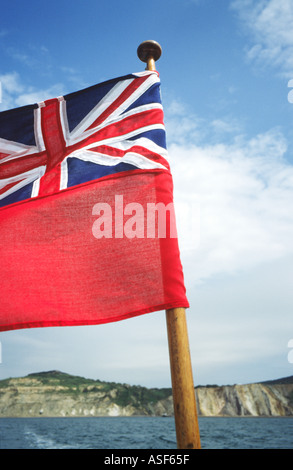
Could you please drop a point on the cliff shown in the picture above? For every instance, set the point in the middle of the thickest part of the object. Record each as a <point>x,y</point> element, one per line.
<point>57,394</point>
<point>246,400</point>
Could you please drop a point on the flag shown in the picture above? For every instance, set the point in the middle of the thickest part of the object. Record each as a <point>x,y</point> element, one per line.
<point>87,223</point>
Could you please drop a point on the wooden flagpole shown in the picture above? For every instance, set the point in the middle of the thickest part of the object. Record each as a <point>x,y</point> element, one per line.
<point>185,412</point>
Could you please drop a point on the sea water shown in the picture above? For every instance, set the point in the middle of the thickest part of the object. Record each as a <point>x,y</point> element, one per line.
<point>142,433</point>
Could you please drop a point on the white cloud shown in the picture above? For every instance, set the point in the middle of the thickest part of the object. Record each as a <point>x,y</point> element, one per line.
<point>11,87</point>
<point>242,193</point>
<point>270,23</point>
<point>31,55</point>
<point>11,83</point>
<point>225,126</point>
<point>183,126</point>
<point>16,93</point>
<point>35,96</point>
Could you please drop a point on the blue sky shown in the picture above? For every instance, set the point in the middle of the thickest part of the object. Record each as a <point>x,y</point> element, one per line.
<point>225,70</point>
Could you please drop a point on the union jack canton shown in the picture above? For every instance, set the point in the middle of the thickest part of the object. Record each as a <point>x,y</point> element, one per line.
<point>109,128</point>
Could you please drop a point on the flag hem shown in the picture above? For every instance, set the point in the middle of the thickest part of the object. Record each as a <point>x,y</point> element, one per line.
<point>47,324</point>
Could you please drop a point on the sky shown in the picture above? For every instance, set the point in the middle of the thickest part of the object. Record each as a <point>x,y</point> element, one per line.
<point>227,89</point>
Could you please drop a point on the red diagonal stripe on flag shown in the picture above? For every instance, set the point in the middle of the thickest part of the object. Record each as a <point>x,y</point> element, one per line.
<point>9,186</point>
<point>129,124</point>
<point>115,152</point>
<point>121,98</point>
<point>21,165</point>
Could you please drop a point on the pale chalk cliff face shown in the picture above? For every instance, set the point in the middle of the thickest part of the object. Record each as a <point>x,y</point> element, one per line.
<point>62,395</point>
<point>246,400</point>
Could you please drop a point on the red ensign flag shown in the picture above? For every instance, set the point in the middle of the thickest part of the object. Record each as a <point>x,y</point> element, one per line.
<point>87,226</point>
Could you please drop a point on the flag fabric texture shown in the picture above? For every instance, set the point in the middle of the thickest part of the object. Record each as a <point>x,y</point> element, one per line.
<point>84,185</point>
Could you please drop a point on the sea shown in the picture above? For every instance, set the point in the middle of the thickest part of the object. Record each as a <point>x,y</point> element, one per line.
<point>142,433</point>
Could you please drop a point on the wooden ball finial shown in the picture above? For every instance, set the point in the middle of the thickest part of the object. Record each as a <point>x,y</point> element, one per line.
<point>149,52</point>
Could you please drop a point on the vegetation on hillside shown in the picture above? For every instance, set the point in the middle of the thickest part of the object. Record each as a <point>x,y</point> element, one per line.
<point>124,394</point>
